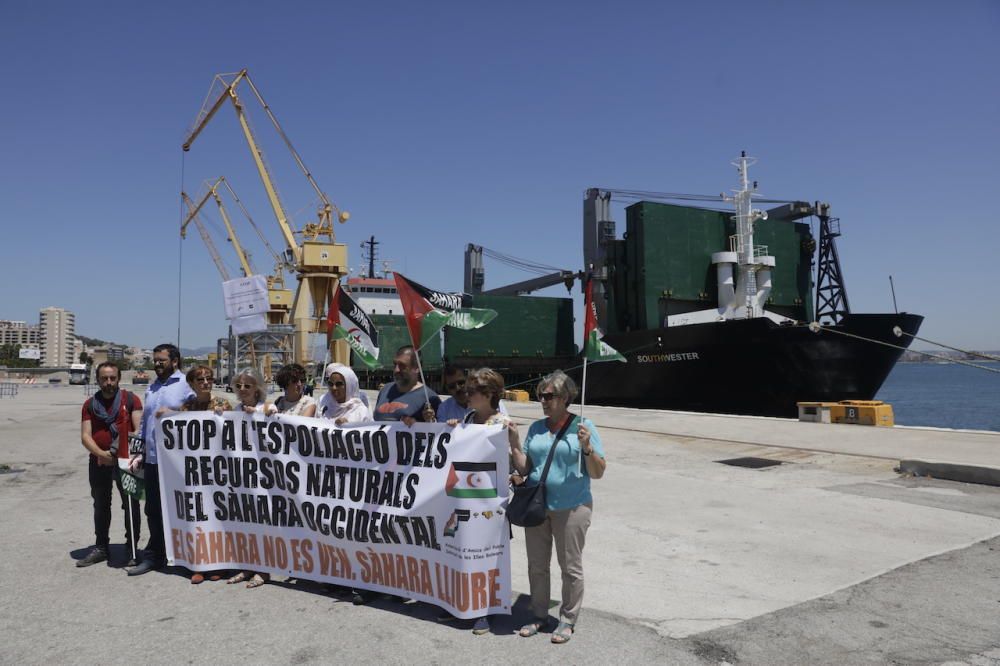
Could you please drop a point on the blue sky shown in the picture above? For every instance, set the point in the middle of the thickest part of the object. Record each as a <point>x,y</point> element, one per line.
<point>442,123</point>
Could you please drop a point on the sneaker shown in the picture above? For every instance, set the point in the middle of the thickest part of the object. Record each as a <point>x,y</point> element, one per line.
<point>444,616</point>
<point>99,554</point>
<point>144,567</point>
<point>482,626</point>
<point>360,598</point>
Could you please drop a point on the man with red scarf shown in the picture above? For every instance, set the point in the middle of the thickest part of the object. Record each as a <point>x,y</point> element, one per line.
<point>106,421</point>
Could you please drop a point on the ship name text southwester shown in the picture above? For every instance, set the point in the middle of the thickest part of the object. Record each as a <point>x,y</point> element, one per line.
<point>666,358</point>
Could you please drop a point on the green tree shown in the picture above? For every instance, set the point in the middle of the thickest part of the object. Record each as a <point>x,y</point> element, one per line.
<point>10,357</point>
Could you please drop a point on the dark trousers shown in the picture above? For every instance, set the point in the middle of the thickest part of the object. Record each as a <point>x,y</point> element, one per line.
<point>156,550</point>
<point>102,478</point>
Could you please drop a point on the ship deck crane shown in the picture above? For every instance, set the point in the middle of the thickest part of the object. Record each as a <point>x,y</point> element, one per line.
<point>319,263</point>
<point>475,274</point>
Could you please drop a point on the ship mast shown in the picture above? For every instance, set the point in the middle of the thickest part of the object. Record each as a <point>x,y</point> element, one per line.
<point>370,254</point>
<point>750,258</point>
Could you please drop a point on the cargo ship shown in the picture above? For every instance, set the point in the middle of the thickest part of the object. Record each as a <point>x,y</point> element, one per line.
<point>734,310</point>
<point>718,310</point>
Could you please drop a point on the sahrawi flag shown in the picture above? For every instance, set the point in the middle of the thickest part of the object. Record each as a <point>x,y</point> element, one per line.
<point>594,348</point>
<point>427,311</point>
<point>345,320</point>
<point>471,479</point>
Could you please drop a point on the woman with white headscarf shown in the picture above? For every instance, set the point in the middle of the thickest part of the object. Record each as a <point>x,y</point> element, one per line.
<point>344,403</point>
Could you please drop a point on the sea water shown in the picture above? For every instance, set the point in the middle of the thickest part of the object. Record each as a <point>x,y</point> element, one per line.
<point>944,395</point>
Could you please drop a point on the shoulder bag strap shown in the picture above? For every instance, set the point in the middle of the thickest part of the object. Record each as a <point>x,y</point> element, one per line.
<point>555,443</point>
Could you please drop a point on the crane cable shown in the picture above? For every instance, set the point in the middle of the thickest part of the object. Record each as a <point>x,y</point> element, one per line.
<point>675,196</point>
<point>180,258</point>
<point>522,264</point>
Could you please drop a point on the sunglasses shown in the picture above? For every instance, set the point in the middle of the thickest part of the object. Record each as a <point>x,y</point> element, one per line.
<point>482,390</point>
<point>547,396</point>
<point>240,387</point>
<point>451,386</point>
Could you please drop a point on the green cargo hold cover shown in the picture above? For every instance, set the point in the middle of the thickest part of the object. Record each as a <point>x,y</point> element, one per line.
<point>525,327</point>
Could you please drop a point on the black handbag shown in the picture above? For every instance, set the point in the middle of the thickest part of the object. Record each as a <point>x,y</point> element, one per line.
<point>527,505</point>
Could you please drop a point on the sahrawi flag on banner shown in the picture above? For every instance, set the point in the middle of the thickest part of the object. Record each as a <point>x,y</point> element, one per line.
<point>596,349</point>
<point>472,479</point>
<point>427,311</point>
<point>345,320</point>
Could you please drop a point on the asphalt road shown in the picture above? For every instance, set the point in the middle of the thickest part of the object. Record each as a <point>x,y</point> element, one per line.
<point>825,559</point>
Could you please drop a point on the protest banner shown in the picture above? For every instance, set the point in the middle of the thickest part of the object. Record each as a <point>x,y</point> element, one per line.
<point>413,511</point>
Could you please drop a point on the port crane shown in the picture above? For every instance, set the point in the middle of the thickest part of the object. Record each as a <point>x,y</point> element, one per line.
<point>255,347</point>
<point>279,298</point>
<point>209,243</point>
<point>318,261</point>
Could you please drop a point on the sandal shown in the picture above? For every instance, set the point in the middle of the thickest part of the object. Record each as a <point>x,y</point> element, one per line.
<point>531,628</point>
<point>563,633</point>
<point>238,578</point>
<point>257,580</point>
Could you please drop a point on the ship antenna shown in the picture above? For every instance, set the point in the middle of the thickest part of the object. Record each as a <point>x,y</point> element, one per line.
<point>370,253</point>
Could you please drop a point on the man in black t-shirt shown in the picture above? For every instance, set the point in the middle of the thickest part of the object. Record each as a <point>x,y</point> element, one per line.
<point>406,399</point>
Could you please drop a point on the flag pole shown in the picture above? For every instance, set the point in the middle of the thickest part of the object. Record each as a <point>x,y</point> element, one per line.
<point>416,352</point>
<point>427,396</point>
<point>133,537</point>
<point>583,389</point>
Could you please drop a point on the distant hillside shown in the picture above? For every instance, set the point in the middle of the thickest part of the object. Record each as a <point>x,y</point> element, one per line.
<point>197,351</point>
<point>97,342</point>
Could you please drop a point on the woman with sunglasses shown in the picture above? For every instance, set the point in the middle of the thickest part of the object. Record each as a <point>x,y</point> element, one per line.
<point>578,458</point>
<point>485,388</point>
<point>200,379</point>
<point>344,403</point>
<point>295,402</point>
<point>251,393</point>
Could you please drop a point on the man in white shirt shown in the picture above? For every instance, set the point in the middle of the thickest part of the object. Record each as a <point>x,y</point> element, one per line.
<point>168,392</point>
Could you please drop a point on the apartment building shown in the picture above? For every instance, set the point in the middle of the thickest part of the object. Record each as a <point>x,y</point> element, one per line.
<point>19,333</point>
<point>57,337</point>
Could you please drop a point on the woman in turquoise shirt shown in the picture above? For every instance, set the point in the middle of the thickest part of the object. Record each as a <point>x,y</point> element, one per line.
<point>578,458</point>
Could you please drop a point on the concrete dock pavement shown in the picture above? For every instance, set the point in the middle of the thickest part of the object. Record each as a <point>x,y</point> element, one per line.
<point>958,455</point>
<point>829,558</point>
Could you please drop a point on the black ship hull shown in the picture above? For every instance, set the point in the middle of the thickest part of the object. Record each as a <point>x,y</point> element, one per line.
<point>750,366</point>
